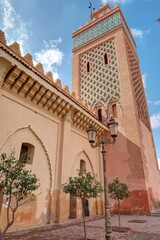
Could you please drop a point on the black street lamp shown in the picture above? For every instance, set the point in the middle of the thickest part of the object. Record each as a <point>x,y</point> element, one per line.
<point>113,129</point>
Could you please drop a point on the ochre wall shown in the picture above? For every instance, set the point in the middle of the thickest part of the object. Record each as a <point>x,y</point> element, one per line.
<point>59,147</point>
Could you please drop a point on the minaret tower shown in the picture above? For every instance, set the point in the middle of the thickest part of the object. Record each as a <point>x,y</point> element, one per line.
<point>106,75</point>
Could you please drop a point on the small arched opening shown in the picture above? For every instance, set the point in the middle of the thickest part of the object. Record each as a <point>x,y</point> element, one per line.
<point>27,153</point>
<point>88,67</point>
<point>105,59</point>
<point>100,114</point>
<point>114,110</point>
<point>82,166</point>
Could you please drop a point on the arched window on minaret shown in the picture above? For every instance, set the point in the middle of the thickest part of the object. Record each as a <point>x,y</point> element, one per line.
<point>100,114</point>
<point>114,110</point>
<point>27,153</point>
<point>105,59</point>
<point>82,166</point>
<point>88,67</point>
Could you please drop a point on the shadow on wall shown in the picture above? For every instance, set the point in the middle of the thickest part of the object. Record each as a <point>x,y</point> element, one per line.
<point>24,217</point>
<point>97,207</point>
<point>47,213</point>
<point>125,161</point>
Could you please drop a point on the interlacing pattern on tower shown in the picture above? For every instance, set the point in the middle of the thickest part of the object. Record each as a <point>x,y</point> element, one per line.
<point>138,88</point>
<point>99,80</point>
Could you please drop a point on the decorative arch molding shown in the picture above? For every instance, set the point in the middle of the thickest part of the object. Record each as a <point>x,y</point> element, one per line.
<point>79,156</point>
<point>89,161</point>
<point>100,111</point>
<point>99,104</point>
<point>113,100</point>
<point>40,141</point>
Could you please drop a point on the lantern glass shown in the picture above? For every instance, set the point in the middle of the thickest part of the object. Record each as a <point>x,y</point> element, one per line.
<point>113,127</point>
<point>91,134</point>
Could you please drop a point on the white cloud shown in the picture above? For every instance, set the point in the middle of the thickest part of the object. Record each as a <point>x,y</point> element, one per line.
<point>115,1</point>
<point>159,163</point>
<point>50,57</point>
<point>8,15</point>
<point>138,33</point>
<point>144,79</point>
<point>155,120</point>
<point>13,25</point>
<point>16,30</point>
<point>157,103</point>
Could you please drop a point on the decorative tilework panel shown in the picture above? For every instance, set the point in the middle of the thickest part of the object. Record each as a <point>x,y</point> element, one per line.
<point>97,30</point>
<point>102,82</point>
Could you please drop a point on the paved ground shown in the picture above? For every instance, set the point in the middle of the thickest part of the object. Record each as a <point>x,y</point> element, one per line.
<point>142,228</point>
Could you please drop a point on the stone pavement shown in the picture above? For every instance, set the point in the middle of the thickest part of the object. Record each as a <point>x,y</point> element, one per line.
<point>142,228</point>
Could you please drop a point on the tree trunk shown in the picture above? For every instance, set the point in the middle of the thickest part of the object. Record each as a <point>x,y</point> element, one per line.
<point>84,222</point>
<point>1,236</point>
<point>9,222</point>
<point>119,214</point>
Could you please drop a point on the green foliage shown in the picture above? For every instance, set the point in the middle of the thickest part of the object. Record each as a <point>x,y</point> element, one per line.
<point>83,186</point>
<point>16,180</point>
<point>17,185</point>
<point>118,190</point>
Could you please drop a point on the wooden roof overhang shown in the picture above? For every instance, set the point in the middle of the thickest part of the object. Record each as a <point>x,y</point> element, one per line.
<point>23,80</point>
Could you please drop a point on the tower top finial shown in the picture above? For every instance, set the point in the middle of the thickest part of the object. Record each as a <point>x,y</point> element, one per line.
<point>91,9</point>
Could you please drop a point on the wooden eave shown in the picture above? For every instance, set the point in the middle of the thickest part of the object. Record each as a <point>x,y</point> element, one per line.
<point>24,81</point>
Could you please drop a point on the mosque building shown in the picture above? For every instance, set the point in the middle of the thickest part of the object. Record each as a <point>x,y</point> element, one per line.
<point>39,115</point>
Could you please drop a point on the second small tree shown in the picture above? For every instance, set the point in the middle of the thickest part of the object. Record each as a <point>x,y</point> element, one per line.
<point>118,191</point>
<point>83,186</point>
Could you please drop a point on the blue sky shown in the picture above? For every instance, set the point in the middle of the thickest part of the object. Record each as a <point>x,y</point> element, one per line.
<point>44,29</point>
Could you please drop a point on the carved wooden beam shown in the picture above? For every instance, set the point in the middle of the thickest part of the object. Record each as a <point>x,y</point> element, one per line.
<point>48,98</point>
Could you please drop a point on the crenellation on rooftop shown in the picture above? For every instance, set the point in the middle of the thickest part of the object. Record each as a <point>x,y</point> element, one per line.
<point>15,47</point>
<point>28,58</point>
<point>49,75</point>
<point>73,94</point>
<point>58,83</point>
<point>116,6</point>
<point>103,20</point>
<point>97,16</point>
<point>39,67</point>
<point>66,89</point>
<point>80,100</point>
<point>2,37</point>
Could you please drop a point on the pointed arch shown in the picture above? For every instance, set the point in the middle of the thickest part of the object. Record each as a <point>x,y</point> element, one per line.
<point>114,107</point>
<point>112,99</point>
<point>76,165</point>
<point>100,110</point>
<point>40,141</point>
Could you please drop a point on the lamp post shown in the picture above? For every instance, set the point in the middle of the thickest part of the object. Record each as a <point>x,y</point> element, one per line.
<point>113,129</point>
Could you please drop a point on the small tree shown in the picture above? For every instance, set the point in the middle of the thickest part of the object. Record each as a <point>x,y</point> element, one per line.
<point>118,191</point>
<point>17,186</point>
<point>84,186</point>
